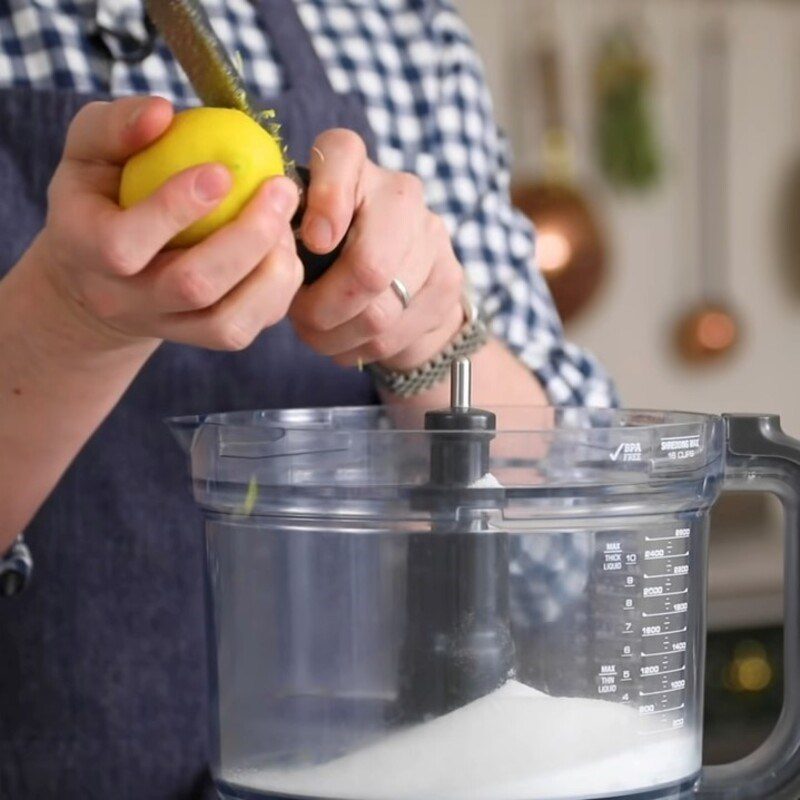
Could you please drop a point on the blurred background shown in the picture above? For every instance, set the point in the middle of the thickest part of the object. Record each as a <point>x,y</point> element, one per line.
<point>657,148</point>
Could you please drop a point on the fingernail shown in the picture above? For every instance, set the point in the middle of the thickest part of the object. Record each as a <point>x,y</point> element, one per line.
<point>136,115</point>
<point>318,232</point>
<point>281,197</point>
<point>212,183</point>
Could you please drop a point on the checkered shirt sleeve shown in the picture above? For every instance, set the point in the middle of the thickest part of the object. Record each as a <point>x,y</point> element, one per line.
<point>494,241</point>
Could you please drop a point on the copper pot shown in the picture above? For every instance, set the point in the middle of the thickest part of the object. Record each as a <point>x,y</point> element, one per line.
<point>570,248</point>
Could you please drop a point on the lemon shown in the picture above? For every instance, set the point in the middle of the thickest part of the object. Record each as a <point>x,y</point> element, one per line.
<point>199,136</point>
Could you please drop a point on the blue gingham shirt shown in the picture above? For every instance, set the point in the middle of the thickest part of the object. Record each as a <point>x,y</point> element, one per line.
<point>415,68</point>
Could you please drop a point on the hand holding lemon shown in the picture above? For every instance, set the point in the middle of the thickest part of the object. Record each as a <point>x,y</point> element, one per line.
<point>199,136</point>
<point>208,181</point>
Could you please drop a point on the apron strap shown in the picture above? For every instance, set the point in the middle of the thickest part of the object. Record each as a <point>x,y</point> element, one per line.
<point>293,45</point>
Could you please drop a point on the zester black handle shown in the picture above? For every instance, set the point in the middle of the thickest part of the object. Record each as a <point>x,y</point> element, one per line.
<point>314,264</point>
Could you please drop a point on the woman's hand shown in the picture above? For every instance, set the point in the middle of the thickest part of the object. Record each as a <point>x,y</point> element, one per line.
<point>352,313</point>
<point>107,264</point>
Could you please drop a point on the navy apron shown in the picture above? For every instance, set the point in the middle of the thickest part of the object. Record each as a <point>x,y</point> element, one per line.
<point>103,660</point>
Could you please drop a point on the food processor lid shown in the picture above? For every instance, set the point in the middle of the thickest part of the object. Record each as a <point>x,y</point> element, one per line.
<point>350,459</point>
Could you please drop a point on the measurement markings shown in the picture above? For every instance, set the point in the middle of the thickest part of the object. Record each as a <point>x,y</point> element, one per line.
<point>664,613</point>
<point>665,633</point>
<point>663,691</point>
<point>667,575</point>
<point>664,538</point>
<point>661,710</point>
<point>667,558</point>
<point>663,672</point>
<point>665,654</point>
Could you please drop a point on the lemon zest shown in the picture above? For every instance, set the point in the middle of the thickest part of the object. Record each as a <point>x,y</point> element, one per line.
<point>251,498</point>
<point>238,62</point>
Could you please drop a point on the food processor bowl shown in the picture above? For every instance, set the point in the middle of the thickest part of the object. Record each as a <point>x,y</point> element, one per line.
<point>409,608</point>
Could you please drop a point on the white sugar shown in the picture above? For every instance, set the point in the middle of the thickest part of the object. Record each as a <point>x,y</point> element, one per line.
<point>514,744</point>
<point>488,481</point>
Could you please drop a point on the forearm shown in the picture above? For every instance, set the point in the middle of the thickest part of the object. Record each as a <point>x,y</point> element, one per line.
<point>58,381</point>
<point>499,379</point>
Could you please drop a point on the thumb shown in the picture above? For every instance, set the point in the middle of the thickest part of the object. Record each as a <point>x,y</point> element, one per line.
<point>112,132</point>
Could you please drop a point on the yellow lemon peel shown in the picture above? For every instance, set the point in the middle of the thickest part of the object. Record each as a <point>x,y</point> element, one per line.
<point>200,136</point>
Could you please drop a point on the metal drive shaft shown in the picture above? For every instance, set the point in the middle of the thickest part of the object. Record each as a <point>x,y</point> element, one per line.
<point>458,644</point>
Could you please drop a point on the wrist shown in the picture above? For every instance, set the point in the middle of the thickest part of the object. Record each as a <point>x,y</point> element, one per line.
<point>62,319</point>
<point>57,329</point>
<point>421,381</point>
<point>429,346</point>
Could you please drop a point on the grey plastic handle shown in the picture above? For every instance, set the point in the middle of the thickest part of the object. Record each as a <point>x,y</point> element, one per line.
<point>761,457</point>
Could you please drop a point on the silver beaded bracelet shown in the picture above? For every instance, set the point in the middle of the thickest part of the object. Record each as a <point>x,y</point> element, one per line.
<point>471,338</point>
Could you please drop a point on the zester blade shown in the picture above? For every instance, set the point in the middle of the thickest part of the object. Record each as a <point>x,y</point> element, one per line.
<point>187,30</point>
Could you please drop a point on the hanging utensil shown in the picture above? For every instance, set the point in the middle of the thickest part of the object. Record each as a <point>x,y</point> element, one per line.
<point>711,329</point>
<point>187,30</point>
<point>570,248</point>
<point>627,145</point>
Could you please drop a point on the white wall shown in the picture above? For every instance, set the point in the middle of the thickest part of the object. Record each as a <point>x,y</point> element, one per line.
<point>653,238</point>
